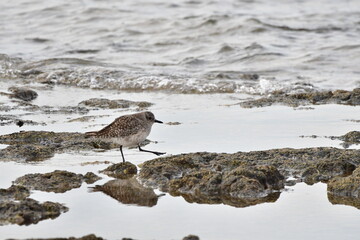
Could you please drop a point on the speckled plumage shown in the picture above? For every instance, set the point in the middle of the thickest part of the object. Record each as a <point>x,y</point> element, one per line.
<point>128,130</point>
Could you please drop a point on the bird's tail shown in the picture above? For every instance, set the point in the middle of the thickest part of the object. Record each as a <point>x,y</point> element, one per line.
<point>90,134</point>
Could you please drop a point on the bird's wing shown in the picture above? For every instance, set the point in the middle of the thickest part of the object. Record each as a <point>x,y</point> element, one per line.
<point>121,127</point>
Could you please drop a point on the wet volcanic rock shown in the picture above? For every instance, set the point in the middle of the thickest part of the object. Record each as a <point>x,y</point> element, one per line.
<point>350,138</point>
<point>310,98</point>
<point>113,104</point>
<point>121,170</point>
<point>14,193</point>
<point>41,145</point>
<point>27,153</point>
<point>57,181</point>
<point>346,186</point>
<point>200,178</point>
<point>345,190</point>
<point>244,178</point>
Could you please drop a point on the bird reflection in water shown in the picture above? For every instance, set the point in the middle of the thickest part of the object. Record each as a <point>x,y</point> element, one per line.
<point>129,191</point>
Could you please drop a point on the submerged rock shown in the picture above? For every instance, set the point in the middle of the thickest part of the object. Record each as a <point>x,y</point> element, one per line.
<point>112,104</point>
<point>29,211</point>
<point>300,99</point>
<point>121,170</point>
<point>57,181</point>
<point>129,191</point>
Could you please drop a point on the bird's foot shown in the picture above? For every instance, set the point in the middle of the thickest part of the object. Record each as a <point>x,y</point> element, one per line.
<point>159,153</point>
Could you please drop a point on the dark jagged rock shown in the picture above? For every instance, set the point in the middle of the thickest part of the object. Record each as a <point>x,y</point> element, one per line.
<point>210,178</point>
<point>41,145</point>
<point>112,104</point>
<point>345,190</point>
<point>121,170</point>
<point>300,99</point>
<point>244,178</point>
<point>91,178</point>
<point>350,138</point>
<point>56,139</point>
<point>57,181</point>
<point>14,193</point>
<point>346,186</point>
<point>129,191</point>
<point>240,182</point>
<point>26,153</point>
<point>341,200</point>
<point>191,237</point>
<point>325,170</point>
<point>29,211</point>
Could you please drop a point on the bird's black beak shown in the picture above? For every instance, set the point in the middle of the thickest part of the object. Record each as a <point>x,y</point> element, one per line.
<point>157,121</point>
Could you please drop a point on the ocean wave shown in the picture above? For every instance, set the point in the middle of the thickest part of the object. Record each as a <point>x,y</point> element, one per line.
<point>91,74</point>
<point>132,81</point>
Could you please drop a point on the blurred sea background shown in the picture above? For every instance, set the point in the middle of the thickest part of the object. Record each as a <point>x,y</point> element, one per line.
<point>185,46</point>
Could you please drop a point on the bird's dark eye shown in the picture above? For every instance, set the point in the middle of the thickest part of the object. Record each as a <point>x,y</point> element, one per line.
<point>150,117</point>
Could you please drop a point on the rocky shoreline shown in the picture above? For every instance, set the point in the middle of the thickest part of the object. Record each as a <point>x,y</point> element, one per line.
<point>238,180</point>
<point>245,178</point>
<point>351,98</point>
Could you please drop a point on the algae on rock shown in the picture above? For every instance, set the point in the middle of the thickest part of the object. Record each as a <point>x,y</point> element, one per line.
<point>41,145</point>
<point>113,104</point>
<point>14,193</point>
<point>121,170</point>
<point>57,181</point>
<point>300,99</point>
<point>244,178</point>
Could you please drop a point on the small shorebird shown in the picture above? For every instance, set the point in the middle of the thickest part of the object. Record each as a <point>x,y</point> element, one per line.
<point>128,131</point>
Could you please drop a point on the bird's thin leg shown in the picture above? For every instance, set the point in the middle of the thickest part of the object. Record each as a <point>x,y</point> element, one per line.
<point>122,153</point>
<point>156,153</point>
